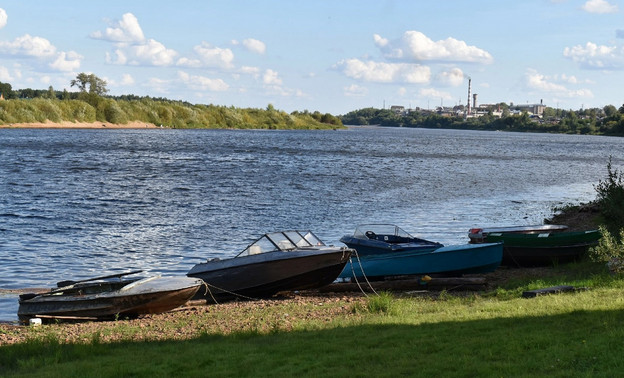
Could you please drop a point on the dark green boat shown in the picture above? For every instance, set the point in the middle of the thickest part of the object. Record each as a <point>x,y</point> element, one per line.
<point>545,248</point>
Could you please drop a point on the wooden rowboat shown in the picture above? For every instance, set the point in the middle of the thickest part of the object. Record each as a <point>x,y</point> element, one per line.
<point>546,248</point>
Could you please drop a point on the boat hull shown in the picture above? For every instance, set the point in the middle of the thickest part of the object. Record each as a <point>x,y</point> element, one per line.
<point>267,274</point>
<point>450,261</point>
<point>479,235</point>
<point>157,296</point>
<point>524,250</point>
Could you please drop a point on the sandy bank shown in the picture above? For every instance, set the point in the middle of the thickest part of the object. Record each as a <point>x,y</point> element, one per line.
<point>79,125</point>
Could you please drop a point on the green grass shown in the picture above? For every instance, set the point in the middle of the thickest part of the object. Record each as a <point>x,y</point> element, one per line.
<point>167,113</point>
<point>497,334</point>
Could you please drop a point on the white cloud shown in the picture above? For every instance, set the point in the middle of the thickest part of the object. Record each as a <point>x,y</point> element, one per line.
<point>131,45</point>
<point>3,18</point>
<point>254,45</point>
<point>27,45</point>
<point>594,56</point>
<point>203,83</point>
<point>153,52</point>
<point>434,93</point>
<point>209,56</point>
<point>542,83</point>
<point>599,6</point>
<point>125,30</point>
<point>454,77</point>
<point>250,70</point>
<point>67,62</point>
<point>415,46</point>
<point>158,85</point>
<point>40,48</point>
<point>186,62</point>
<point>127,79</point>
<point>384,72</point>
<point>271,77</point>
<point>5,75</point>
<point>355,90</point>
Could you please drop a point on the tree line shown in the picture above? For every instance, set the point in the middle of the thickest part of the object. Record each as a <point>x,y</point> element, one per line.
<point>606,121</point>
<point>91,103</point>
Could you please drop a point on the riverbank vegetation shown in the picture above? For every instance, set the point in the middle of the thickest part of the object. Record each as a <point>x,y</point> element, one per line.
<point>91,104</point>
<point>605,121</point>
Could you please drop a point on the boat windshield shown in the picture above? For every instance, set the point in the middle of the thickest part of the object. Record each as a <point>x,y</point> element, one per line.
<point>380,229</point>
<point>282,241</point>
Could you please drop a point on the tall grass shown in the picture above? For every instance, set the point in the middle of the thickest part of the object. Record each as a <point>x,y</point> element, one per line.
<point>166,113</point>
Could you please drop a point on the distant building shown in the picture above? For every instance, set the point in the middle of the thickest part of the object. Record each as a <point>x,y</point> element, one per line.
<point>398,109</point>
<point>534,109</point>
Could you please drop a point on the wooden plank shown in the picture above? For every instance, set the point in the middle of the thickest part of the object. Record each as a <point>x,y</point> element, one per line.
<point>547,290</point>
<point>61,317</point>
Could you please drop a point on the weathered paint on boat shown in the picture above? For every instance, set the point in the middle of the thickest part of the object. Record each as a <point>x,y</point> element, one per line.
<point>104,300</point>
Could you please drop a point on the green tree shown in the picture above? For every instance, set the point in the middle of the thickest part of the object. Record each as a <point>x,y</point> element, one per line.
<point>610,110</point>
<point>51,93</point>
<point>95,84</point>
<point>6,90</point>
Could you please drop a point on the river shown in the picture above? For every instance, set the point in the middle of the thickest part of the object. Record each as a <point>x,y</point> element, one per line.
<point>81,203</point>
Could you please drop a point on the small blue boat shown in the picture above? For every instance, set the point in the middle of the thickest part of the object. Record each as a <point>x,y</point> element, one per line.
<point>387,250</point>
<point>373,239</point>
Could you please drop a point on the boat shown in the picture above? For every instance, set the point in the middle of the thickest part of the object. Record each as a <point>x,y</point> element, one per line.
<point>101,298</point>
<point>376,238</point>
<point>544,248</point>
<point>478,235</point>
<point>387,250</point>
<point>275,262</point>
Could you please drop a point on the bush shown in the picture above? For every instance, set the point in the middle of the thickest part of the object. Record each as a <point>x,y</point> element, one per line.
<point>610,198</point>
<point>111,112</point>
<point>609,250</point>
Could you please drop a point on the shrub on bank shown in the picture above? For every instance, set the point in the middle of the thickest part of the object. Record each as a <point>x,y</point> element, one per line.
<point>609,250</point>
<point>610,199</point>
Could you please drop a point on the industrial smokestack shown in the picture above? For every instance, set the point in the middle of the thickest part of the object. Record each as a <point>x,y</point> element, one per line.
<point>468,109</point>
<point>474,100</point>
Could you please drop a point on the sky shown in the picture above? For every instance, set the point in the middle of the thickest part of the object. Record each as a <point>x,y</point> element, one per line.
<point>332,56</point>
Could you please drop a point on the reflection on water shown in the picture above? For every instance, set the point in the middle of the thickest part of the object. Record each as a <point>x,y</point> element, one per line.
<point>81,203</point>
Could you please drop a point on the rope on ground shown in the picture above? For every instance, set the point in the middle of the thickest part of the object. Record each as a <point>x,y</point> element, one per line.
<point>363,274</point>
<point>208,291</point>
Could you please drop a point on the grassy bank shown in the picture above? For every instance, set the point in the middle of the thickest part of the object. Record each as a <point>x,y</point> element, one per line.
<point>490,333</point>
<point>175,114</point>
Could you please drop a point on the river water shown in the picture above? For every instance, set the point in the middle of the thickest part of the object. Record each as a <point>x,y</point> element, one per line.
<point>82,203</point>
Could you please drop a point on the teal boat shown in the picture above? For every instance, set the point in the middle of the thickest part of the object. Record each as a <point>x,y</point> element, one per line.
<point>546,248</point>
<point>387,250</point>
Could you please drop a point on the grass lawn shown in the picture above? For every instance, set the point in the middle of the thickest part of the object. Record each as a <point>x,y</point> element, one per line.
<point>490,333</point>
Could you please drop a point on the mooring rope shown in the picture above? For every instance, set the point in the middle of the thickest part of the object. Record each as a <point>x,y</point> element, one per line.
<point>363,274</point>
<point>208,291</point>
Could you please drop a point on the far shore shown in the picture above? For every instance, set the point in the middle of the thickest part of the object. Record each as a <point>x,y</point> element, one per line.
<point>79,125</point>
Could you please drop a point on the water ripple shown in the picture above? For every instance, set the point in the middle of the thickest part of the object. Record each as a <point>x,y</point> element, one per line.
<point>82,203</point>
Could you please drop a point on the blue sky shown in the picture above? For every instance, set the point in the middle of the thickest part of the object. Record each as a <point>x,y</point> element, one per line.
<point>331,56</point>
